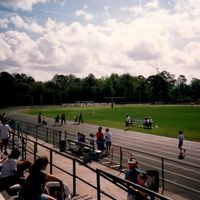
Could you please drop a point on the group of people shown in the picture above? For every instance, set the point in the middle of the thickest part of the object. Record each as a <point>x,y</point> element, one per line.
<point>32,187</point>
<point>60,120</point>
<point>41,119</point>
<point>103,140</point>
<point>78,119</point>
<point>148,122</point>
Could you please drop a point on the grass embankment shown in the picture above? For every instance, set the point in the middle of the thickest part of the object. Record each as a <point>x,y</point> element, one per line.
<point>169,119</point>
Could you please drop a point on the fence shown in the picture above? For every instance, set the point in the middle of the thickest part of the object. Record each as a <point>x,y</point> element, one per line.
<point>118,182</point>
<point>173,174</point>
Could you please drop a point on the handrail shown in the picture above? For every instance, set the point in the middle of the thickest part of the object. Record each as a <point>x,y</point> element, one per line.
<point>162,159</point>
<point>136,150</point>
<point>97,171</point>
<point>123,182</point>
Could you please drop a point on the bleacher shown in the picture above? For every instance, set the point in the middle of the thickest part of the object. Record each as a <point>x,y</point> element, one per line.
<point>46,148</point>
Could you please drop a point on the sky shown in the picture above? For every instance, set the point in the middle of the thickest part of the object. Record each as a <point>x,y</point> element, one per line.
<point>42,38</point>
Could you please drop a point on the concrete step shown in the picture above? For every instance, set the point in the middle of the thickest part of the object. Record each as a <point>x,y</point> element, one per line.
<point>82,197</point>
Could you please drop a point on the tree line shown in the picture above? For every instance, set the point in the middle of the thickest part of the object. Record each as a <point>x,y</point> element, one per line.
<point>21,89</point>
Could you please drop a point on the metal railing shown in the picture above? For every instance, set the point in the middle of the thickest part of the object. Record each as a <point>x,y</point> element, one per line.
<point>119,155</point>
<point>120,183</point>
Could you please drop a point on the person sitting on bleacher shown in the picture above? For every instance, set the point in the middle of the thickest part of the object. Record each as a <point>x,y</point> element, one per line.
<point>9,174</point>
<point>131,175</point>
<point>34,186</point>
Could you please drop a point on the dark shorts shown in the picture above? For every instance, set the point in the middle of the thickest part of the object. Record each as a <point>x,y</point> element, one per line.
<point>5,141</point>
<point>108,143</point>
<point>180,144</point>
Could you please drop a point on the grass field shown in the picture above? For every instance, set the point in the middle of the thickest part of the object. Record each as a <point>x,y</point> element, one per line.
<point>169,119</point>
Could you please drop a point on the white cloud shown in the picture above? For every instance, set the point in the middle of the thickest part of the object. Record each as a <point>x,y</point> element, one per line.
<point>30,25</point>
<point>153,38</point>
<point>20,4</point>
<point>152,5</point>
<point>4,23</point>
<point>86,16</point>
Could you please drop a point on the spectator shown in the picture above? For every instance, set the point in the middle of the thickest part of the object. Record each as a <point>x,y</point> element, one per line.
<point>131,175</point>
<point>81,138</point>
<point>4,117</point>
<point>5,131</point>
<point>128,120</point>
<point>34,185</point>
<point>22,166</point>
<point>39,118</point>
<point>9,174</point>
<point>57,120</point>
<point>100,139</point>
<point>44,122</point>
<point>108,140</point>
<point>76,120</point>
<point>150,122</point>
<point>63,120</point>
<point>141,180</point>
<point>91,140</point>
<point>80,118</point>
<point>146,122</point>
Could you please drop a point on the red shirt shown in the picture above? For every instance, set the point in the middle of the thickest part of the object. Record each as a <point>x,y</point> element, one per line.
<point>99,135</point>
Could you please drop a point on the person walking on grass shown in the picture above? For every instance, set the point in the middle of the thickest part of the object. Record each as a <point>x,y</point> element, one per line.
<point>80,118</point>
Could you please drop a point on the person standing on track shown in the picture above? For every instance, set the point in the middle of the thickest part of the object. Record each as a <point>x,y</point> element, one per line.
<point>108,140</point>
<point>5,131</point>
<point>40,118</point>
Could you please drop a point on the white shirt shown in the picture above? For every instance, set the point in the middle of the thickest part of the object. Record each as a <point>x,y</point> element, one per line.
<point>108,136</point>
<point>181,137</point>
<point>4,131</point>
<point>8,167</point>
<point>128,119</point>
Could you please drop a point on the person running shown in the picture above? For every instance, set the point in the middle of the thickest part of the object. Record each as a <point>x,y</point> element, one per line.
<point>181,138</point>
<point>5,131</point>
<point>108,140</point>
